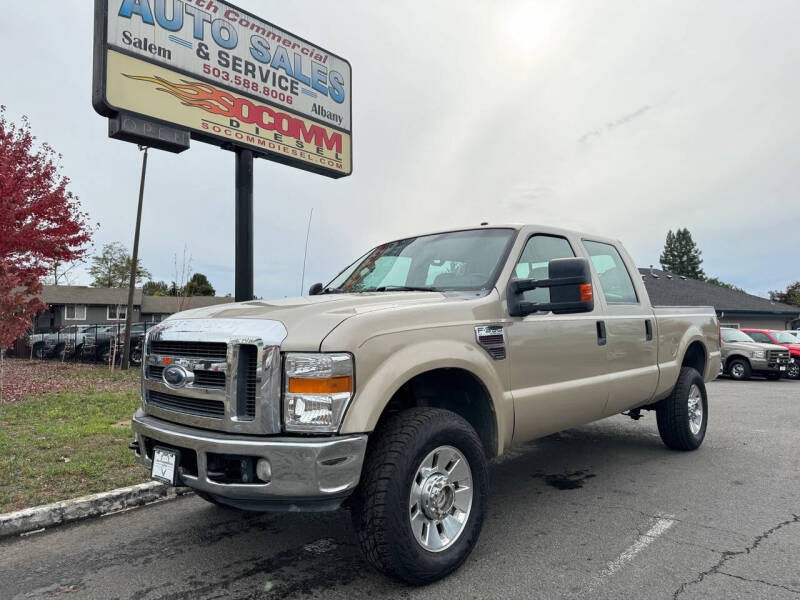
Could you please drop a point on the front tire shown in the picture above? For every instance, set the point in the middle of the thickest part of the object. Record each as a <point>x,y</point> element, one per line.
<point>683,416</point>
<point>793,370</point>
<point>420,506</point>
<point>739,369</point>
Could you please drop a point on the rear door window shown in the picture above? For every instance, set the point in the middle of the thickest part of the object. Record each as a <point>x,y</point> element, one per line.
<point>757,336</point>
<point>611,271</point>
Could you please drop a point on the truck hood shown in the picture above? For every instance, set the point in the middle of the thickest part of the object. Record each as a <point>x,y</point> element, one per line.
<point>754,346</point>
<point>309,319</point>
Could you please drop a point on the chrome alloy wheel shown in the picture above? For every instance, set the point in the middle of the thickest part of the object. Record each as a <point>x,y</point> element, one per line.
<point>440,499</point>
<point>695,409</point>
<point>737,370</point>
<point>793,370</point>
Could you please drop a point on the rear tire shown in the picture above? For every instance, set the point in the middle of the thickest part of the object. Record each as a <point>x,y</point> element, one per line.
<point>412,511</point>
<point>683,416</point>
<point>739,369</point>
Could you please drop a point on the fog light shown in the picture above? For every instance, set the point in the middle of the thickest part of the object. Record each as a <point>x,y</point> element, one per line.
<point>264,470</point>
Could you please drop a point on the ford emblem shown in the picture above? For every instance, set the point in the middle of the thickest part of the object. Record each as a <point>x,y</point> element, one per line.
<point>176,376</point>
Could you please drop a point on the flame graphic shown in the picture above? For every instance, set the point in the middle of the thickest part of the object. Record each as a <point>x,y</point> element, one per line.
<point>198,95</point>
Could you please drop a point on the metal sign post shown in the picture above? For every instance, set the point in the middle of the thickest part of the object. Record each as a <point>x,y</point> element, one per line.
<point>244,225</point>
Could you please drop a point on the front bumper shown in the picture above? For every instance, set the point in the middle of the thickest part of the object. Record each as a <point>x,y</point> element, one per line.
<point>307,473</point>
<point>769,365</point>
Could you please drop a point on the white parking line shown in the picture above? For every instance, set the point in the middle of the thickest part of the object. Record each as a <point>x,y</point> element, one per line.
<point>659,526</point>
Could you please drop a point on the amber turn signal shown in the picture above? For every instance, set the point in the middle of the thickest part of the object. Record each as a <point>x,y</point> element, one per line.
<point>328,385</point>
<point>586,292</point>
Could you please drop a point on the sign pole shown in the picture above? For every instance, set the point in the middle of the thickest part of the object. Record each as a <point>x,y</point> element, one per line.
<point>244,225</point>
<point>126,349</point>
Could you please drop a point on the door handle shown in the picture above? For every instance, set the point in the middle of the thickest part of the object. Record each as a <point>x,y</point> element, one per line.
<point>601,333</point>
<point>648,330</point>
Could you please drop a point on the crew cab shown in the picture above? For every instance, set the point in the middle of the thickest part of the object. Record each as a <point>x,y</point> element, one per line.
<point>742,357</point>
<point>780,338</point>
<point>390,388</point>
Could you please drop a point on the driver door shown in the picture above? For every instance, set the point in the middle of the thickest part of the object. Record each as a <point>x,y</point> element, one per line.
<point>557,365</point>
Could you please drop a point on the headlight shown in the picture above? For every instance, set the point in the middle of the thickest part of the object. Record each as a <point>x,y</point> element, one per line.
<point>316,391</point>
<point>758,354</point>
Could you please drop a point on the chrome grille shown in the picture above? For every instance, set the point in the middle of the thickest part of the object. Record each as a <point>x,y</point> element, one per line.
<point>251,381</point>
<point>778,355</point>
<point>235,374</point>
<point>200,407</point>
<point>211,379</point>
<point>216,351</point>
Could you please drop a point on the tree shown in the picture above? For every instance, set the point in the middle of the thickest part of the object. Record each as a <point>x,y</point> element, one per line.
<point>681,255</point>
<point>724,284</point>
<point>41,224</point>
<point>112,267</point>
<point>61,273</point>
<point>156,288</point>
<point>199,285</point>
<point>790,296</point>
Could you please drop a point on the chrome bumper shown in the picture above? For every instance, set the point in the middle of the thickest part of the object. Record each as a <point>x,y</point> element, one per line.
<point>306,473</point>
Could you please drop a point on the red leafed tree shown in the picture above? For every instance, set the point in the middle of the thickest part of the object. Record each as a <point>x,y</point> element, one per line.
<point>40,223</point>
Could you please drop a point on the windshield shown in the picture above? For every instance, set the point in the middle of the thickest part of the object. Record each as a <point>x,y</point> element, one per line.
<point>459,260</point>
<point>734,335</point>
<point>786,338</point>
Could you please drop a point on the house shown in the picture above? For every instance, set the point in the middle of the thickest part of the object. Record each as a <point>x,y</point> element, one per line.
<point>734,309</point>
<point>76,305</point>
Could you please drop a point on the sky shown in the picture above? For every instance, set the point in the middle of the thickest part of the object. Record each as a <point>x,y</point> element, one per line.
<point>621,118</point>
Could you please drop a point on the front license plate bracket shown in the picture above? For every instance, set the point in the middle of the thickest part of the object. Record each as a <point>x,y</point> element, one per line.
<point>165,465</point>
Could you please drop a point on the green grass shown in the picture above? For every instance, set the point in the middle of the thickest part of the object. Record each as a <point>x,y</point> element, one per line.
<point>68,444</point>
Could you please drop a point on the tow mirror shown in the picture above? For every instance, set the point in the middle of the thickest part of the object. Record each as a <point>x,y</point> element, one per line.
<point>570,284</point>
<point>315,289</point>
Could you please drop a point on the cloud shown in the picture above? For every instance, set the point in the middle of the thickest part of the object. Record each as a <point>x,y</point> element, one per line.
<point>469,113</point>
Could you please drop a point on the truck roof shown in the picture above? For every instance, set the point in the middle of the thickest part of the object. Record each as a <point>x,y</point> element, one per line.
<point>529,227</point>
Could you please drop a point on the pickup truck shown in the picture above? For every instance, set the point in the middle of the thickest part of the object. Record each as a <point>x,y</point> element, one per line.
<point>390,389</point>
<point>780,338</point>
<point>741,356</point>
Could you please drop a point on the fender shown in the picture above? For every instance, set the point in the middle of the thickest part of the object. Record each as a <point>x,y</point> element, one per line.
<point>411,359</point>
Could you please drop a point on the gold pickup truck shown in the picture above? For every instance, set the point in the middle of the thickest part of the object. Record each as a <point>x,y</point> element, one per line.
<point>390,389</point>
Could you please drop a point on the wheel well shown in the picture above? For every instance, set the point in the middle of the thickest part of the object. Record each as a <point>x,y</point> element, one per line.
<point>695,357</point>
<point>733,357</point>
<point>456,390</point>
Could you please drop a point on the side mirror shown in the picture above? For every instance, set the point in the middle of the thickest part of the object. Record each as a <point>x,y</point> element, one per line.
<point>315,289</point>
<point>570,285</point>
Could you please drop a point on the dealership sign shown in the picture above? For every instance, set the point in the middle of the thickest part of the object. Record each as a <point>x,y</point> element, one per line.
<point>226,76</point>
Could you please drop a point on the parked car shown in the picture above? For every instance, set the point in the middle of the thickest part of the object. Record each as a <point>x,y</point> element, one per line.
<point>99,342</point>
<point>742,357</point>
<point>782,338</point>
<point>138,331</point>
<point>396,383</point>
<point>69,340</point>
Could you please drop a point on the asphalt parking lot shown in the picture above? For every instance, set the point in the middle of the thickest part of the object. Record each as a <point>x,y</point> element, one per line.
<point>602,511</point>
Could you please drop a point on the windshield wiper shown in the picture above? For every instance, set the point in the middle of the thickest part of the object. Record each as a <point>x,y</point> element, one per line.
<point>402,288</point>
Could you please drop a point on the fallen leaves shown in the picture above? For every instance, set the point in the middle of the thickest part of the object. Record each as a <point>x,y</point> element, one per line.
<point>33,378</point>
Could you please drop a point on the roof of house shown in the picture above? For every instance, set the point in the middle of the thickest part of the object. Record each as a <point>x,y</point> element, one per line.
<point>172,304</point>
<point>81,294</point>
<point>668,289</point>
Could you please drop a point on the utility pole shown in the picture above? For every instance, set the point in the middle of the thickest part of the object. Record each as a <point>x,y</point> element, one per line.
<point>244,225</point>
<point>126,350</point>
<point>305,253</point>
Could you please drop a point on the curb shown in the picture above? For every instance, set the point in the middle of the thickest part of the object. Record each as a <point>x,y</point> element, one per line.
<point>95,505</point>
